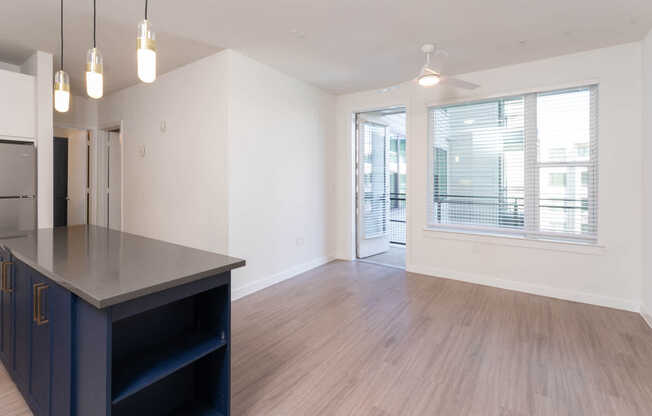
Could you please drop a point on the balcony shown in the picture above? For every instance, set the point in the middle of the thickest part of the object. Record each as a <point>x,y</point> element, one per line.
<point>397,219</point>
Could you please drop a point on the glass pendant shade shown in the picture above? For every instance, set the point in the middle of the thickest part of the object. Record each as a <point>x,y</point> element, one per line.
<point>94,74</point>
<point>61,92</point>
<point>146,52</point>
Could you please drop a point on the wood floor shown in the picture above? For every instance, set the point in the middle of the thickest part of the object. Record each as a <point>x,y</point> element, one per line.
<point>362,339</point>
<point>395,257</point>
<point>11,402</point>
<point>354,338</point>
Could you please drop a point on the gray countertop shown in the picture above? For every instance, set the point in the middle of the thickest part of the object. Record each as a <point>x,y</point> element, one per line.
<point>106,267</point>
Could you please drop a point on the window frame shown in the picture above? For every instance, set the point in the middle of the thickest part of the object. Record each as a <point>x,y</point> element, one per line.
<point>531,227</point>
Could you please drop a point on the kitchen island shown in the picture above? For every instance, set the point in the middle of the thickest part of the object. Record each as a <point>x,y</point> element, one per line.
<point>100,322</point>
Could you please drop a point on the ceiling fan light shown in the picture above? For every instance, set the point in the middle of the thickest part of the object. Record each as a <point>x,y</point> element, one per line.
<point>61,92</point>
<point>146,52</point>
<point>429,79</point>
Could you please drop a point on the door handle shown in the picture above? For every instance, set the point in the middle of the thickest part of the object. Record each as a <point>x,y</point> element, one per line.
<point>40,305</point>
<point>6,279</point>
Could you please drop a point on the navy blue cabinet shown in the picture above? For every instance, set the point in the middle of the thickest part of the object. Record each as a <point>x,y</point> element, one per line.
<point>40,344</point>
<point>171,351</point>
<point>22,325</point>
<point>6,310</point>
<point>167,353</point>
<point>50,333</point>
<point>36,325</point>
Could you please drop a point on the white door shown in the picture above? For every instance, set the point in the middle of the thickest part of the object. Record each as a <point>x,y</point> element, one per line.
<point>106,183</point>
<point>99,177</point>
<point>115,181</point>
<point>372,188</point>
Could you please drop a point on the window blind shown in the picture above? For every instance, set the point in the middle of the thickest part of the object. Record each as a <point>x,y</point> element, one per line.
<point>374,178</point>
<point>522,165</point>
<point>566,168</point>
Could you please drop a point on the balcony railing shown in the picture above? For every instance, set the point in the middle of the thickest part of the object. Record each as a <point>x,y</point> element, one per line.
<point>397,219</point>
<point>503,210</point>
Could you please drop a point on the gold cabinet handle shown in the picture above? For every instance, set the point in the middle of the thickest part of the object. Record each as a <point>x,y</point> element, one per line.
<point>35,302</point>
<point>39,317</point>
<point>6,278</point>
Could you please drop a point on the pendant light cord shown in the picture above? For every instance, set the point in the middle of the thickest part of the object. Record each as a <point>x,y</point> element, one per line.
<point>61,35</point>
<point>146,9</point>
<point>94,22</point>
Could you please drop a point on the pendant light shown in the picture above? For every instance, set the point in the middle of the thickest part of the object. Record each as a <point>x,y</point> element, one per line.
<point>94,62</point>
<point>146,50</point>
<point>61,81</point>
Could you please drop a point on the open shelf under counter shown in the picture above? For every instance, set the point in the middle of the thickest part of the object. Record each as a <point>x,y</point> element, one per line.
<point>133,374</point>
<point>173,358</point>
<point>196,408</point>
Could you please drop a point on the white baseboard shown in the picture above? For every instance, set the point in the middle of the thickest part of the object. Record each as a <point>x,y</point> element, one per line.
<point>610,302</point>
<point>647,317</point>
<point>240,292</point>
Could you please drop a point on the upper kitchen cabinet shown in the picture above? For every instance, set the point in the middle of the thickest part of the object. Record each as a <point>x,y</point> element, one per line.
<point>17,105</point>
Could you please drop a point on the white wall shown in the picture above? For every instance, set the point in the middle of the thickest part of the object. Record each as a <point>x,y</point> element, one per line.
<point>77,146</point>
<point>243,167</point>
<point>177,190</point>
<point>9,67</point>
<point>646,308</point>
<point>82,114</point>
<point>40,66</point>
<point>609,274</point>
<point>280,173</point>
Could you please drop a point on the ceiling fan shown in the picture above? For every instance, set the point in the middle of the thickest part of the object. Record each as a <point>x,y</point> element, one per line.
<point>428,77</point>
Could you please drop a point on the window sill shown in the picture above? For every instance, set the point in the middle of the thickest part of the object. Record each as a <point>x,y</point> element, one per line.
<point>482,237</point>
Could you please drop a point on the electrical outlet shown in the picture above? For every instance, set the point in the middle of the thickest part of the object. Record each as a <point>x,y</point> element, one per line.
<point>300,241</point>
<point>164,126</point>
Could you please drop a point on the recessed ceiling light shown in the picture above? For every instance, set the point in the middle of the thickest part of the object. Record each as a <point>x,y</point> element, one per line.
<point>469,121</point>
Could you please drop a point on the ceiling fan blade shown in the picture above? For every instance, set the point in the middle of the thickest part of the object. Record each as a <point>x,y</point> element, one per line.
<point>458,83</point>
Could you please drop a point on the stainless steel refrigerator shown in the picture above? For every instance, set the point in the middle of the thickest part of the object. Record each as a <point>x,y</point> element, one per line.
<point>17,187</point>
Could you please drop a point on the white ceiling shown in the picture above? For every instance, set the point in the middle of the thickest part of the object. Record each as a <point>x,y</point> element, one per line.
<point>338,45</point>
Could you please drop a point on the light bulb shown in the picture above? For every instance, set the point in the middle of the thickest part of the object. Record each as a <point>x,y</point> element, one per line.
<point>94,84</point>
<point>61,92</point>
<point>146,52</point>
<point>94,74</point>
<point>428,80</point>
<point>146,65</point>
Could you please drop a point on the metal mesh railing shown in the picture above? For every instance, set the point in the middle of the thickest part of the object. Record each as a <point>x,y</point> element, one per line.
<point>397,219</point>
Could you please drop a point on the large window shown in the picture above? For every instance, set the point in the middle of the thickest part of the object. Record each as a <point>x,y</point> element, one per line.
<point>524,165</point>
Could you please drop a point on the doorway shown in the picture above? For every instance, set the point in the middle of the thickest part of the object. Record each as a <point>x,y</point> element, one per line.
<point>60,182</point>
<point>70,177</point>
<point>381,186</point>
<point>87,176</point>
<point>106,148</point>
